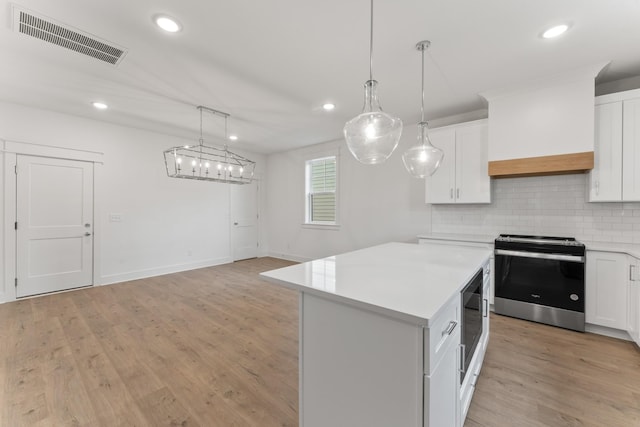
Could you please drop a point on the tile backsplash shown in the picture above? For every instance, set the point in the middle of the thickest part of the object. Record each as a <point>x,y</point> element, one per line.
<point>548,205</point>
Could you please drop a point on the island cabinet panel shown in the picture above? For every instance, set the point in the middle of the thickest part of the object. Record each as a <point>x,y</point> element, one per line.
<point>358,368</point>
<point>441,388</point>
<point>441,334</point>
<point>487,292</point>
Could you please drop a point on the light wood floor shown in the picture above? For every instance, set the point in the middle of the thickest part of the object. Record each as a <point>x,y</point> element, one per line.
<point>218,347</point>
<point>538,375</point>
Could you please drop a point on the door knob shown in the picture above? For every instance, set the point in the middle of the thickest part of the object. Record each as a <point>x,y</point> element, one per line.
<point>235,223</point>
<point>87,225</point>
<point>87,234</point>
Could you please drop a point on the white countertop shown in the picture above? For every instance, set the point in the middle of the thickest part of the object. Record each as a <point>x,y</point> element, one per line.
<point>403,280</point>
<point>475,238</point>
<point>628,248</point>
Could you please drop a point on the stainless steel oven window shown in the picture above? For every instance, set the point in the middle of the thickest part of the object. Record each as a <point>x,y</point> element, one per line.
<point>547,279</point>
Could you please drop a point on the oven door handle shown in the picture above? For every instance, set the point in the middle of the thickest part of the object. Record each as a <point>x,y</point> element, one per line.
<point>559,257</point>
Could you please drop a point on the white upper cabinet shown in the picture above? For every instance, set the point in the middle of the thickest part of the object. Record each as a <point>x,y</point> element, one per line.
<point>473,184</point>
<point>440,186</point>
<point>605,178</point>
<point>616,173</point>
<point>631,150</point>
<point>463,175</point>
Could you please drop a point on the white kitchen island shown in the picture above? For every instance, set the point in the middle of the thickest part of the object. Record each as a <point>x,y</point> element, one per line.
<point>380,335</point>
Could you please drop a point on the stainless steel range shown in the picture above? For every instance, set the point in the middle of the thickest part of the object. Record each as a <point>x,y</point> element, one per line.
<point>540,279</point>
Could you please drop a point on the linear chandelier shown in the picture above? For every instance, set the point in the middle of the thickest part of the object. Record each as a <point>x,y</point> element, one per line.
<point>209,163</point>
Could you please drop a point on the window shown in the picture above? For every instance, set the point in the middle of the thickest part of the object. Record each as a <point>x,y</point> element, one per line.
<point>321,191</point>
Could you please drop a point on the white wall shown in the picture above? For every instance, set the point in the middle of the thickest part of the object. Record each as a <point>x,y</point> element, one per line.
<point>167,224</point>
<point>376,203</point>
<point>547,117</point>
<point>548,205</point>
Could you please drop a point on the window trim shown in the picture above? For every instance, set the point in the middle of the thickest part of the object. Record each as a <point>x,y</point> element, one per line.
<point>306,223</point>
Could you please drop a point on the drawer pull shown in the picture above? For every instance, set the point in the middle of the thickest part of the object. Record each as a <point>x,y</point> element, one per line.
<point>450,328</point>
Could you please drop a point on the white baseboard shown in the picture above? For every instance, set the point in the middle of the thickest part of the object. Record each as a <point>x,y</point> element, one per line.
<point>110,279</point>
<point>609,332</point>
<point>289,257</point>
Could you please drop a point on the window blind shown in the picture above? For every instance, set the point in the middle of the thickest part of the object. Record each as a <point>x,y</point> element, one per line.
<point>322,190</point>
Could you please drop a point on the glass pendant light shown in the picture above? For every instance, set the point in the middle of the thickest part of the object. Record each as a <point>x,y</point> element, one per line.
<point>373,135</point>
<point>423,159</point>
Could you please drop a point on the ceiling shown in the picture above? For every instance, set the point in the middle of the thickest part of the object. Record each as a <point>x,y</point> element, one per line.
<point>272,64</point>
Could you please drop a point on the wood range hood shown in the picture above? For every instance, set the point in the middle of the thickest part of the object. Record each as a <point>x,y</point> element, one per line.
<point>545,126</point>
<point>557,164</point>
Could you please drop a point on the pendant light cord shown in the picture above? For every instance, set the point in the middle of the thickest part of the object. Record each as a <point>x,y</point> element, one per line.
<point>423,85</point>
<point>371,45</point>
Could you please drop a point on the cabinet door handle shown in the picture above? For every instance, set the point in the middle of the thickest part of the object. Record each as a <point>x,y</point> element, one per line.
<point>486,308</point>
<point>450,328</point>
<point>463,349</point>
<point>457,193</point>
<point>451,193</point>
<point>631,275</point>
<point>597,187</point>
<point>474,380</point>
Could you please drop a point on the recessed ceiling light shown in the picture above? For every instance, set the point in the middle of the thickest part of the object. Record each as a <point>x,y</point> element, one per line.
<point>555,31</point>
<point>328,106</point>
<point>100,105</point>
<point>167,23</point>
<point>233,137</point>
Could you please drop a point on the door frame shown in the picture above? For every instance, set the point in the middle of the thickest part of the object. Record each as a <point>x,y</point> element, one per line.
<point>10,151</point>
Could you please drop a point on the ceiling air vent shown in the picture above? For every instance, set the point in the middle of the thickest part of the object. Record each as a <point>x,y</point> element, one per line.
<point>44,28</point>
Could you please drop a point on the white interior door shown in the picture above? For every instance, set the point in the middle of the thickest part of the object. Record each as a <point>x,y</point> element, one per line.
<point>54,225</point>
<point>244,220</point>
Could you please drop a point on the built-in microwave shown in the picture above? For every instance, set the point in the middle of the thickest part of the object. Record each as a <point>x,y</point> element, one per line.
<point>472,320</point>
